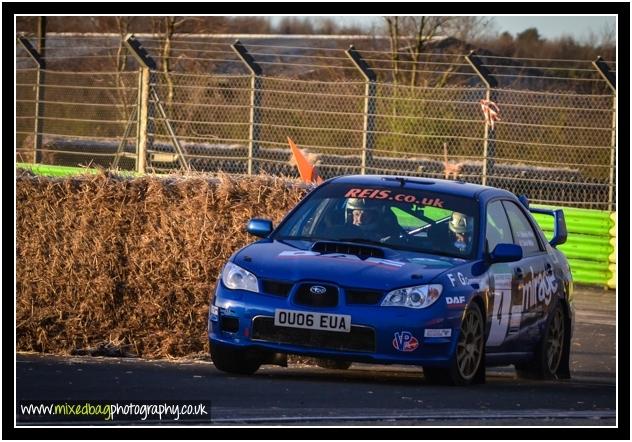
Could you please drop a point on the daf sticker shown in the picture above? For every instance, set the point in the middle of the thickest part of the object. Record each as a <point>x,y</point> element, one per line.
<point>455,300</point>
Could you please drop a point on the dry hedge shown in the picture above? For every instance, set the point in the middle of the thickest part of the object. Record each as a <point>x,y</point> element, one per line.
<point>108,261</point>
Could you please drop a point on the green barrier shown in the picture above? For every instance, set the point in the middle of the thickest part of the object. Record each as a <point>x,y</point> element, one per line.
<point>580,213</point>
<point>589,240</point>
<point>585,255</point>
<point>598,228</point>
<point>59,171</point>
<point>574,225</point>
<point>603,275</point>
<point>591,281</point>
<point>63,171</point>
<point>603,249</point>
<point>591,244</point>
<point>585,246</point>
<point>592,276</point>
<point>581,264</point>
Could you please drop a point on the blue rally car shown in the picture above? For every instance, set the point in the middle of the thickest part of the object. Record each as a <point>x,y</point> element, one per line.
<point>446,275</point>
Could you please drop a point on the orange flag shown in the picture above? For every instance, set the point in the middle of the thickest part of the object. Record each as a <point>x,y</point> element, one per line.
<point>305,169</point>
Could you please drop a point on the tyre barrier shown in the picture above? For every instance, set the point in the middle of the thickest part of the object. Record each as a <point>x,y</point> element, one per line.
<point>612,282</point>
<point>591,246</point>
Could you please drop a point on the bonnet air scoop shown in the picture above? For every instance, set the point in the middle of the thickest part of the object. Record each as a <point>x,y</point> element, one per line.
<point>362,251</point>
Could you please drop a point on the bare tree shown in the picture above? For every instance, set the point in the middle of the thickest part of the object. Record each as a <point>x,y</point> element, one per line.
<point>411,35</point>
<point>123,25</point>
<point>608,41</point>
<point>167,27</point>
<point>393,32</point>
<point>426,28</point>
<point>470,28</point>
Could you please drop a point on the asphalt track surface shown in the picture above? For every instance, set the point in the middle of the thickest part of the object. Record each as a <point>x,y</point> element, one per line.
<point>363,395</point>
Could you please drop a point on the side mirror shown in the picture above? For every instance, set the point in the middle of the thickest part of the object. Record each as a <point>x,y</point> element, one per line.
<point>259,227</point>
<point>505,253</point>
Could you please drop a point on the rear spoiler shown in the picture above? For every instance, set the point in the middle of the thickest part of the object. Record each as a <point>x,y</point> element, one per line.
<point>559,223</point>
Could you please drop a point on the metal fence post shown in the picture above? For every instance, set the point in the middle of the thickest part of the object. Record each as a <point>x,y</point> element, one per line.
<point>142,113</point>
<point>255,103</point>
<point>370,92</point>
<point>604,71</point>
<point>39,95</point>
<point>142,119</point>
<point>145,112</point>
<point>489,137</point>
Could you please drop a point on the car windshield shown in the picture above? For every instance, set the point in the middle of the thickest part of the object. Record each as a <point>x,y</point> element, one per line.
<point>398,218</point>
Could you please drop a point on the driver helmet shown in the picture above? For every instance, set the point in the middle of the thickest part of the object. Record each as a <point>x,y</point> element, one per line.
<point>371,210</point>
<point>460,223</point>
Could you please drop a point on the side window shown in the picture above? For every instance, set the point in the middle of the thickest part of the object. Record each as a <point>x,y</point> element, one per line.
<point>523,233</point>
<point>497,230</point>
<point>310,218</point>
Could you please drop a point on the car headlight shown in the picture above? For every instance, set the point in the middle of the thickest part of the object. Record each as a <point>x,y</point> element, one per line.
<point>419,296</point>
<point>236,278</point>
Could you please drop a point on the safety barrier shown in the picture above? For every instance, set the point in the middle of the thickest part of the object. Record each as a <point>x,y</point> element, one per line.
<point>591,247</point>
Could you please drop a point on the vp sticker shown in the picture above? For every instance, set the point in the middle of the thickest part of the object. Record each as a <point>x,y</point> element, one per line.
<point>405,341</point>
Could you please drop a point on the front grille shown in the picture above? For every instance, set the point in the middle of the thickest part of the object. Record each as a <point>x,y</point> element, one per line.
<point>325,247</point>
<point>327,299</point>
<point>358,339</point>
<point>366,297</point>
<point>276,287</point>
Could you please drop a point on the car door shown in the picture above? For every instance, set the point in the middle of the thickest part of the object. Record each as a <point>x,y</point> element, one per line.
<point>532,278</point>
<point>502,282</point>
<point>515,287</point>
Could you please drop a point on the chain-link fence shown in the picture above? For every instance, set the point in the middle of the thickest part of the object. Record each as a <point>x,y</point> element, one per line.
<point>211,105</point>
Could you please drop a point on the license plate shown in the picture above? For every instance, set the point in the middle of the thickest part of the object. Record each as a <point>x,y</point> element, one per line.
<point>312,320</point>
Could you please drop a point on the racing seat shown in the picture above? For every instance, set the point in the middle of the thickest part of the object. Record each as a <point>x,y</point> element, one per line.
<point>439,236</point>
<point>389,226</point>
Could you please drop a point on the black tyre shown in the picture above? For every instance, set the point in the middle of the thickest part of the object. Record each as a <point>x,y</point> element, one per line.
<point>334,364</point>
<point>467,365</point>
<point>551,354</point>
<point>235,361</point>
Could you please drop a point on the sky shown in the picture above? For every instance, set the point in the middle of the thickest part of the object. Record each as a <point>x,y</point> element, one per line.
<point>553,27</point>
<point>549,27</point>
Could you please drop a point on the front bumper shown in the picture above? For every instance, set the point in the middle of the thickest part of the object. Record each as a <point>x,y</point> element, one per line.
<point>245,320</point>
